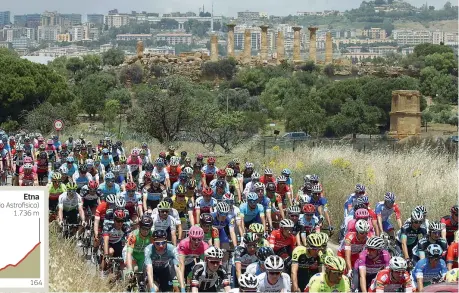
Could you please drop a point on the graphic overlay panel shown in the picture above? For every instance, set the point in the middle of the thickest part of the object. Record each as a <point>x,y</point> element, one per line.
<point>24,246</point>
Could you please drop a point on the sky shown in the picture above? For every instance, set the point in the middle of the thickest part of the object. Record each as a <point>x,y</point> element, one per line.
<point>221,7</point>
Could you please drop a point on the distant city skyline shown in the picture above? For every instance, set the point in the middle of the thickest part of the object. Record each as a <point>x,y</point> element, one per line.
<point>272,7</point>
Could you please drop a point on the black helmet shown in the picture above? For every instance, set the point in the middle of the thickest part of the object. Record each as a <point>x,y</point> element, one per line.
<point>169,200</point>
<point>149,167</point>
<point>183,153</point>
<point>360,206</point>
<point>83,168</point>
<point>146,222</point>
<point>205,219</point>
<point>57,165</point>
<point>220,184</point>
<point>264,252</point>
<point>270,186</point>
<point>159,234</point>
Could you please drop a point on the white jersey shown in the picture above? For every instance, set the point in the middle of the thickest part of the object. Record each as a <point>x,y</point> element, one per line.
<point>253,269</point>
<point>174,213</point>
<point>249,187</point>
<point>132,200</point>
<point>159,224</point>
<point>282,284</point>
<point>68,204</point>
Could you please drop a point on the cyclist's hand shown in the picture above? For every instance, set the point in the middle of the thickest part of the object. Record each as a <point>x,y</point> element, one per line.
<point>129,274</point>
<point>84,224</point>
<point>349,274</point>
<point>61,223</point>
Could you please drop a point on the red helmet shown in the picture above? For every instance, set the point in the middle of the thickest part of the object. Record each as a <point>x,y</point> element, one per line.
<point>309,209</point>
<point>207,191</point>
<point>119,214</point>
<point>28,160</point>
<point>199,157</point>
<point>221,173</point>
<point>93,184</point>
<point>50,141</point>
<point>131,186</point>
<point>64,146</point>
<point>162,155</point>
<point>211,160</point>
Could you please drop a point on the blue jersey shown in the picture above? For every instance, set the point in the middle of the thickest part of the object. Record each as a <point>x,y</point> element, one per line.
<point>251,214</point>
<point>115,189</point>
<point>228,222</point>
<point>266,203</point>
<point>426,272</point>
<point>106,161</point>
<point>321,201</point>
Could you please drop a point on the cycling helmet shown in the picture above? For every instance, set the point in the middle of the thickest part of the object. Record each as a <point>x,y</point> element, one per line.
<point>228,198</point>
<point>146,222</point>
<point>221,173</point>
<point>324,237</point>
<point>180,190</point>
<point>252,196</point>
<point>315,240</point>
<point>268,171</point>
<point>43,155</point>
<point>119,214</point>
<point>359,206</point>
<point>256,228</point>
<point>390,197</point>
<point>359,188</point>
<point>309,209</point>
<point>28,166</point>
<point>28,160</point>
<point>255,176</point>
<point>454,209</point>
<point>220,184</point>
<point>287,223</point>
<point>174,161</point>
<point>135,152</point>
<point>314,178</point>
<point>307,178</point>
<point>155,177</point>
<point>294,210</point>
<point>211,160</point>
<point>71,186</point>
<point>434,251</point>
<point>196,232</point>
<point>270,186</point>
<point>205,219</point>
<point>250,237</point>
<point>361,214</point>
<point>258,186</point>
<point>229,172</point>
<point>398,263</point>
<point>434,226</point>
<point>93,185</point>
<point>58,176</point>
<point>376,242</point>
<point>168,200</point>
<point>149,167</point>
<point>363,200</point>
<point>422,209</point>
<point>191,184</point>
<point>159,162</point>
<point>159,234</point>
<point>281,179</point>
<point>131,186</point>
<point>120,202</point>
<point>223,208</point>
<point>89,163</point>
<point>183,176</point>
<point>248,281</point>
<point>111,198</point>
<point>417,215</point>
<point>83,168</point>
<point>109,176</point>
<point>362,226</point>
<point>316,189</point>
<point>116,169</point>
<point>274,263</point>
<point>164,205</point>
<point>249,165</point>
<point>188,171</point>
<point>199,157</point>
<point>207,191</point>
<point>264,252</point>
<point>213,252</point>
<point>286,172</point>
<point>335,263</point>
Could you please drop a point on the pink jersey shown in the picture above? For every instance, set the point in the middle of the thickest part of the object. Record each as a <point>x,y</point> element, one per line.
<point>184,248</point>
<point>373,266</point>
<point>351,227</point>
<point>34,169</point>
<point>134,164</point>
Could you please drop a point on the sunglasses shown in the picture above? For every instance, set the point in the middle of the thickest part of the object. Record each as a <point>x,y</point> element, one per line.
<point>252,201</point>
<point>309,215</point>
<point>336,273</point>
<point>274,273</point>
<point>294,216</point>
<point>214,262</point>
<point>372,249</point>
<point>160,243</point>
<point>132,191</point>
<point>119,221</point>
<point>416,222</point>
<point>110,181</point>
<point>437,233</point>
<point>164,211</point>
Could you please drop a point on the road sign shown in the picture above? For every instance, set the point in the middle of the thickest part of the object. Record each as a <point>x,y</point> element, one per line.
<point>58,125</point>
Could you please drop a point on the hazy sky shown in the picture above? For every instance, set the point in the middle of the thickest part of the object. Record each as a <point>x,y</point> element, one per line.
<point>221,7</point>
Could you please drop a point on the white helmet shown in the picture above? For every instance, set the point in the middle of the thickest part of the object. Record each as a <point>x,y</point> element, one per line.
<point>111,198</point>
<point>188,170</point>
<point>287,223</point>
<point>397,263</point>
<point>376,242</point>
<point>258,185</point>
<point>223,207</point>
<point>417,215</point>
<point>174,161</point>
<point>213,252</point>
<point>362,226</point>
<point>120,202</point>
<point>249,281</point>
<point>274,263</point>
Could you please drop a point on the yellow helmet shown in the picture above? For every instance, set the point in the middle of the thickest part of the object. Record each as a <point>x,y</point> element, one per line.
<point>335,263</point>
<point>71,186</point>
<point>56,176</point>
<point>256,228</point>
<point>164,205</point>
<point>324,238</point>
<point>314,240</point>
<point>180,189</point>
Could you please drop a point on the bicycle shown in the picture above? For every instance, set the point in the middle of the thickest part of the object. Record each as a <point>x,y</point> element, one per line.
<point>67,229</point>
<point>137,283</point>
<point>88,236</point>
<point>391,245</point>
<point>114,264</point>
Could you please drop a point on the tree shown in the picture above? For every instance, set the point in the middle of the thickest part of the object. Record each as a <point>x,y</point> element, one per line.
<point>252,79</point>
<point>223,69</point>
<point>111,109</point>
<point>426,81</point>
<point>443,62</point>
<point>113,57</point>
<point>123,96</point>
<point>233,99</point>
<point>42,117</point>
<point>132,73</point>
<point>93,90</point>
<point>445,88</point>
<point>304,114</point>
<point>428,49</point>
<point>75,64</point>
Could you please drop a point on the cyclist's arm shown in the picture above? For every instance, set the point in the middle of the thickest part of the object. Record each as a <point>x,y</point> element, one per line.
<point>403,237</point>
<point>347,254</point>
<point>420,284</point>
<point>363,278</point>
<point>80,209</point>
<point>380,226</point>
<point>233,235</point>
<point>294,273</point>
<point>35,179</point>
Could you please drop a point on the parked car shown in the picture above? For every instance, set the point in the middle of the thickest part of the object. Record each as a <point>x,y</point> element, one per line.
<point>296,136</point>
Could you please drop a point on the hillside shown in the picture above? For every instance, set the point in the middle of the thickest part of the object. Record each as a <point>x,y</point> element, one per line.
<point>443,25</point>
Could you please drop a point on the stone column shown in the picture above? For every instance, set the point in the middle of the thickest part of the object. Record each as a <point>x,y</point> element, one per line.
<point>230,42</point>
<point>328,49</point>
<point>312,44</point>
<point>280,47</point>
<point>264,42</point>
<point>296,43</point>
<point>247,56</point>
<point>213,48</point>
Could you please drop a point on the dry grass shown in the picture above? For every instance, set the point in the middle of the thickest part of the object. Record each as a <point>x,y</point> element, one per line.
<point>444,25</point>
<point>69,273</point>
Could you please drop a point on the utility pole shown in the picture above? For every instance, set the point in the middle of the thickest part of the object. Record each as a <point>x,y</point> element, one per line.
<point>212,18</point>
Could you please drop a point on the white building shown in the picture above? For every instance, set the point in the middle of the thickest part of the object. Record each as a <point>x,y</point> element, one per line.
<point>48,33</point>
<point>117,20</point>
<point>412,37</point>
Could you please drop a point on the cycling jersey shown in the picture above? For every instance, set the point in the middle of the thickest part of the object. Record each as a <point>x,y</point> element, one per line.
<point>133,200</point>
<point>163,174</point>
<point>254,269</point>
<point>55,192</point>
<point>86,195</point>
<point>277,240</point>
<point>107,161</point>
<point>134,164</point>
<point>115,235</point>
<point>307,226</point>
<point>452,275</point>
<point>352,243</point>
<point>136,245</point>
<point>205,206</point>
<point>206,280</point>
<point>184,248</point>
<point>411,235</point>
<point>223,226</point>
<point>173,173</point>
<point>424,271</point>
<point>69,168</point>
<point>422,245</point>
<point>283,283</point>
<point>68,203</point>
<point>452,254</point>
<point>351,227</point>
<point>384,283</point>
<point>166,224</point>
<point>372,266</point>
<point>350,202</point>
<point>161,261</point>
<point>318,283</point>
<point>382,210</point>
<point>81,180</point>
<point>154,193</point>
<point>182,205</point>
<point>241,256</point>
<point>250,214</point>
<point>115,189</point>
<point>307,265</point>
<point>317,201</point>
<point>450,226</point>
<point>212,184</point>
<point>211,235</point>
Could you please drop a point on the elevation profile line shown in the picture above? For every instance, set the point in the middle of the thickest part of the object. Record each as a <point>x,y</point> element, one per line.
<point>22,259</point>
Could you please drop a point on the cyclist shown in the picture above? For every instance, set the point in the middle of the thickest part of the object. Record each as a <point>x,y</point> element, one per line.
<point>210,170</point>
<point>258,267</point>
<point>106,160</point>
<point>153,192</point>
<point>56,188</point>
<point>274,279</point>
<point>209,274</point>
<point>407,237</point>
<point>205,203</point>
<point>450,224</point>
<point>17,162</point>
<point>251,211</point>
<point>244,255</point>
<point>109,186</point>
<point>164,221</point>
<point>384,209</point>
<point>429,269</point>
<point>258,229</point>
<point>432,237</point>
<point>191,248</point>
<point>360,214</point>
<point>182,179</point>
<point>282,241</point>
<point>371,260</point>
<point>138,240</point>
<point>162,264</point>
<point>91,196</point>
<point>174,169</point>
<point>306,261</point>
<point>351,200</point>
<point>452,254</point>
<point>70,206</point>
<point>353,244</point>
<point>332,280</point>
<point>133,201</point>
<point>247,174</point>
<point>234,211</point>
<point>289,182</point>
<point>309,223</point>
<point>267,177</point>
<point>250,186</point>
<point>248,283</point>
<point>321,204</point>
<point>293,213</point>
<point>82,177</point>
<point>225,225</point>
<point>277,209</point>
<point>233,182</point>
<point>211,234</point>
<point>393,279</point>
<point>284,191</point>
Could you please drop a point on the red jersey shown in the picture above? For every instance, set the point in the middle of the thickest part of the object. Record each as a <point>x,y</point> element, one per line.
<point>450,226</point>
<point>173,174</point>
<point>384,283</point>
<point>352,243</point>
<point>101,210</point>
<point>452,255</point>
<point>282,191</point>
<point>264,179</point>
<point>279,241</point>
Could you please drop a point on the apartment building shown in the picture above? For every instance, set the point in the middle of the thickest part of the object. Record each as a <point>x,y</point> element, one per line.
<point>374,33</point>
<point>97,19</point>
<point>48,33</point>
<point>117,20</point>
<point>5,18</point>
<point>133,37</point>
<point>175,38</point>
<point>248,16</point>
<point>28,20</point>
<point>412,37</point>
